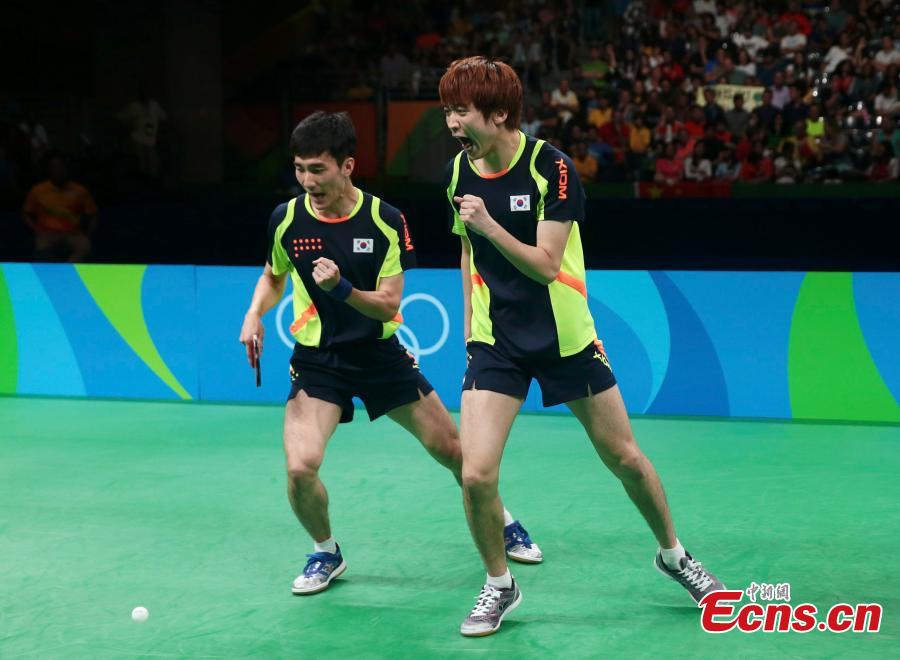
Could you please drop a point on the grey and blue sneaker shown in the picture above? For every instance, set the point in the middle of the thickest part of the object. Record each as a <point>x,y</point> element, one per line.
<point>691,575</point>
<point>321,568</point>
<point>487,615</point>
<point>519,546</point>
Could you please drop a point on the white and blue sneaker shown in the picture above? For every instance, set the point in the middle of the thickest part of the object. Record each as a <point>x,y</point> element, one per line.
<point>519,546</point>
<point>321,568</point>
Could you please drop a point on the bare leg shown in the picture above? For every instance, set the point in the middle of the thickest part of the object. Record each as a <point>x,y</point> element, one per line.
<point>308,424</point>
<point>604,418</point>
<point>487,418</point>
<point>428,420</point>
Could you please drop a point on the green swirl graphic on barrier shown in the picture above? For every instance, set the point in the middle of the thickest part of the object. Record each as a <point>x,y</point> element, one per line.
<point>9,348</point>
<point>830,370</point>
<point>117,292</point>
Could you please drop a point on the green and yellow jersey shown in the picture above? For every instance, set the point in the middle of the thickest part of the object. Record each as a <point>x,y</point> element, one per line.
<point>371,243</point>
<point>509,309</point>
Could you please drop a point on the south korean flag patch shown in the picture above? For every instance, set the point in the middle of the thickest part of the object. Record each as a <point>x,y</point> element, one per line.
<point>363,245</point>
<point>520,202</point>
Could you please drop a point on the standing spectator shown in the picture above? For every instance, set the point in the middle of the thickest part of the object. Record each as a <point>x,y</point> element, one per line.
<point>61,213</point>
<point>144,116</point>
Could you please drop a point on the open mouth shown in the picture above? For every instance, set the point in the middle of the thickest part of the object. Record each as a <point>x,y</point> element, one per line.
<point>466,143</point>
<point>317,196</point>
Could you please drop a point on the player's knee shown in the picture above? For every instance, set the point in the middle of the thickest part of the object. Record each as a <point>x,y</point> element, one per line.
<point>479,483</point>
<point>302,472</point>
<point>628,465</point>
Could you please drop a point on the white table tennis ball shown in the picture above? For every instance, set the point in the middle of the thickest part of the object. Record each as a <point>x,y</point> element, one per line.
<point>140,614</point>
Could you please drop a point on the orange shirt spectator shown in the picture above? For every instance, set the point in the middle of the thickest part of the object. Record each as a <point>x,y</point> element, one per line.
<point>59,209</point>
<point>585,164</point>
<point>639,137</point>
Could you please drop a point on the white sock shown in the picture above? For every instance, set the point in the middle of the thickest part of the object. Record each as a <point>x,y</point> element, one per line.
<point>501,581</point>
<point>672,557</point>
<point>507,517</point>
<point>328,545</point>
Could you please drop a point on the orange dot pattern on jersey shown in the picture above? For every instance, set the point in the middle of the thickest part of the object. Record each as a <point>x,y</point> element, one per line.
<point>306,244</point>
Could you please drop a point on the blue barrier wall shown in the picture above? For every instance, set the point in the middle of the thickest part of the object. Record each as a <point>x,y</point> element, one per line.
<point>785,345</point>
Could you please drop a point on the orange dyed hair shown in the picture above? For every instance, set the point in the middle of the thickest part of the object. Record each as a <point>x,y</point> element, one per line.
<point>489,85</point>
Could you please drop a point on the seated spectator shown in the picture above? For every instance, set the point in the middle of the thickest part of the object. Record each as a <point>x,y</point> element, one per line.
<point>788,169</point>
<point>737,118</point>
<point>712,145</point>
<point>723,134</point>
<point>712,111</point>
<point>668,126</point>
<point>746,66</point>
<point>815,124</point>
<point>794,41</point>
<point>669,168</point>
<point>61,213</point>
<point>747,41</point>
<point>795,19</point>
<point>796,108</point>
<point>884,167</point>
<point>757,168</point>
<point>617,134</point>
<point>585,164</point>
<point>602,114</point>
<point>695,125</point>
<point>531,123</point>
<point>838,53</point>
<point>728,168</point>
<point>781,93</point>
<point>765,112</point>
<point>887,103</point>
<point>565,101</point>
<point>697,167</point>
<point>548,115</point>
<point>600,150</point>
<point>887,56</point>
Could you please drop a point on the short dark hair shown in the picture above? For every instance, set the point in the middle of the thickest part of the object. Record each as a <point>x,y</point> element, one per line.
<point>325,132</point>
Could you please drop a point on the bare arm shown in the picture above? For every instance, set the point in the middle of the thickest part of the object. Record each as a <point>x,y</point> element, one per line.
<point>540,262</point>
<point>466,270</point>
<point>382,305</point>
<point>269,290</point>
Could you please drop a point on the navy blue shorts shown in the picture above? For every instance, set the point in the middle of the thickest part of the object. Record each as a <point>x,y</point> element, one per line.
<point>380,372</point>
<point>562,379</point>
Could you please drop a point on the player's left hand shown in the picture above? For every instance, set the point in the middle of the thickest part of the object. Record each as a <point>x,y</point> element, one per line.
<point>474,215</point>
<point>326,273</point>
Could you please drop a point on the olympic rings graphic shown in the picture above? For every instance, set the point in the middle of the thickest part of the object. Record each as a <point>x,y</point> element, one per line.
<point>405,334</point>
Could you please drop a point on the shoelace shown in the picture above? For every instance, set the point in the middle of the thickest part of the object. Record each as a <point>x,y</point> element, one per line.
<point>486,599</point>
<point>317,562</point>
<point>518,536</point>
<point>695,575</point>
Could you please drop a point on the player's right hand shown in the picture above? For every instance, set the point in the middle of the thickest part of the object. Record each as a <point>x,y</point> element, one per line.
<point>252,328</point>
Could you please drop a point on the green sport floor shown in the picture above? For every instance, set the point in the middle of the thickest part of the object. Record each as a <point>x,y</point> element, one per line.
<point>107,505</point>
